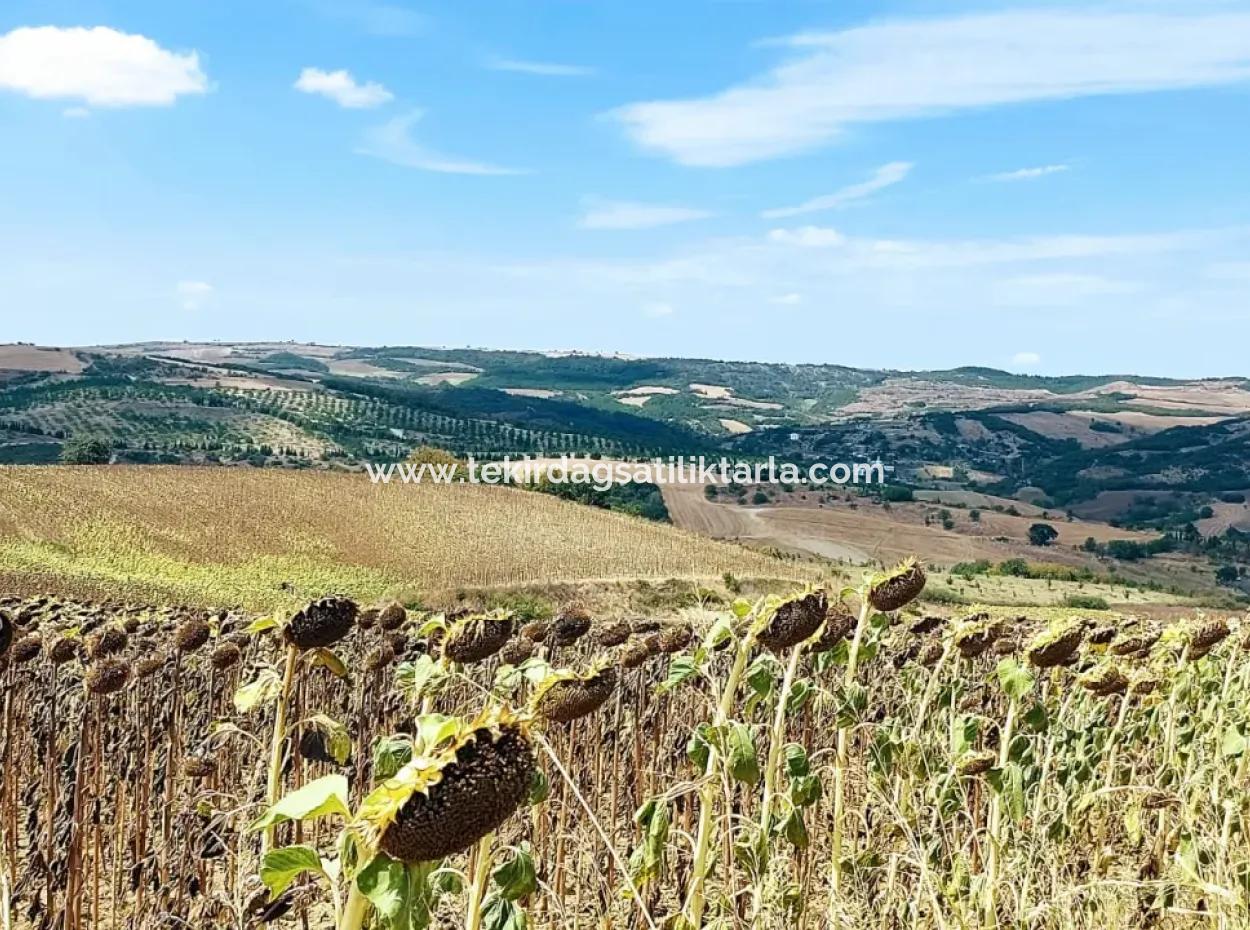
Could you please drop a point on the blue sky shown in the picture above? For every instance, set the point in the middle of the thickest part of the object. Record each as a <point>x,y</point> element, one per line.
<point>1042,187</point>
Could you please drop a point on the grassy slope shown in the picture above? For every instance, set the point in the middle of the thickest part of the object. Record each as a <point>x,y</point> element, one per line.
<point>260,537</point>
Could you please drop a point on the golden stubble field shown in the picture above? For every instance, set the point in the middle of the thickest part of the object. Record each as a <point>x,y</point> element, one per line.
<point>257,538</point>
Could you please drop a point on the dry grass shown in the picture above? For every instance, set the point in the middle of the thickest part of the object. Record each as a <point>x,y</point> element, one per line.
<point>260,538</point>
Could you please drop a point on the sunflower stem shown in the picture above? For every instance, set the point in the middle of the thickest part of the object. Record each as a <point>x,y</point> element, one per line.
<point>707,792</point>
<point>481,876</point>
<point>356,910</point>
<point>843,759</point>
<point>273,790</point>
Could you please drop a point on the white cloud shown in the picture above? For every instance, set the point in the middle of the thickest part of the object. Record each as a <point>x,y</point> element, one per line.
<point>883,177</point>
<point>657,310</point>
<point>75,112</point>
<point>393,142</point>
<point>100,66</point>
<point>1026,359</point>
<point>1028,174</point>
<point>342,88</point>
<point>618,214</point>
<point>811,237</point>
<point>194,294</point>
<point>909,68</point>
<point>379,19</point>
<point>539,68</point>
<point>787,300</point>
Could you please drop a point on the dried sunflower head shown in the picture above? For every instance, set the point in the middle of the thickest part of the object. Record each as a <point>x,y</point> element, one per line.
<point>1057,645</point>
<point>611,632</point>
<point>105,676</point>
<point>634,653</point>
<point>1206,635</point>
<point>440,804</point>
<point>566,696</point>
<point>570,625</point>
<point>225,656</point>
<point>1104,680</point>
<point>536,630</point>
<point>27,649</point>
<point>794,621</point>
<point>322,623</point>
<point>110,641</point>
<point>65,649</point>
<point>674,637</point>
<point>515,651</point>
<point>839,624</point>
<point>977,762</point>
<point>478,637</point>
<point>392,616</point>
<point>976,634</point>
<point>191,635</point>
<point>897,587</point>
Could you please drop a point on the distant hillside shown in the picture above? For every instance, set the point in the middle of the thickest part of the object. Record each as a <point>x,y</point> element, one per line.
<point>1069,438</point>
<point>262,538</point>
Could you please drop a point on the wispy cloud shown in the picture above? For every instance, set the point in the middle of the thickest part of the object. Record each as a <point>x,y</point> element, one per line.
<point>539,68</point>
<point>1026,360</point>
<point>618,214</point>
<point>342,88</point>
<point>378,19</point>
<point>193,295</point>
<point>657,310</point>
<point>1028,174</point>
<point>909,68</point>
<point>99,66</point>
<point>393,142</point>
<point>883,177</point>
<point>809,237</point>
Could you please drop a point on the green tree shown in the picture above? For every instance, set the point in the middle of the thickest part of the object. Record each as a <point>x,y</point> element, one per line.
<point>1042,534</point>
<point>85,450</point>
<point>1226,575</point>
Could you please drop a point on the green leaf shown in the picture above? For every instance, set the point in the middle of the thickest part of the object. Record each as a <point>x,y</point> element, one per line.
<point>1015,680</point>
<point>796,760</point>
<point>435,729</point>
<point>1234,744</point>
<point>390,754</point>
<point>964,734</point>
<point>321,798</point>
<point>744,763</point>
<point>385,883</point>
<point>800,693</point>
<point>741,608</point>
<point>1037,720</point>
<point>1008,783</point>
<point>698,747</point>
<point>795,830</point>
<point>266,687</point>
<point>680,669</point>
<point>646,863</point>
<point>540,787</point>
<point>805,790</point>
<point>761,674</point>
<point>419,679</point>
<point>330,661</point>
<point>282,866</point>
<point>338,740</point>
<point>516,877</point>
<point>720,632</point>
<point>502,914</point>
<point>260,624</point>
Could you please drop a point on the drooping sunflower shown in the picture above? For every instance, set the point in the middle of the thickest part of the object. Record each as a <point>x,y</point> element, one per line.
<point>443,803</point>
<point>794,621</point>
<point>897,587</point>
